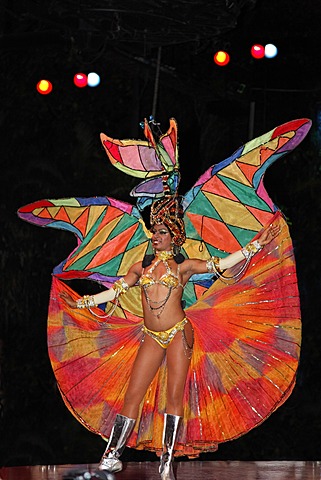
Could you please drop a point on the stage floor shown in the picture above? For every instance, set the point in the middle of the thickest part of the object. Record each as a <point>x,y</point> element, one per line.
<point>190,470</point>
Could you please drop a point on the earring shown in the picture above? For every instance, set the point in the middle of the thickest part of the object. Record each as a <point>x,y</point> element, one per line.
<point>176,249</point>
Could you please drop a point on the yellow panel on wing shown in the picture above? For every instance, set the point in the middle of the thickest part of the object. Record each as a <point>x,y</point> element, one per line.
<point>132,256</point>
<point>234,213</point>
<point>264,140</point>
<point>94,214</point>
<point>233,171</point>
<point>97,241</point>
<point>196,249</point>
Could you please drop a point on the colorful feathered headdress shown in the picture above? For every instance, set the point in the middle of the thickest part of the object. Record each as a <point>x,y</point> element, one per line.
<point>160,167</point>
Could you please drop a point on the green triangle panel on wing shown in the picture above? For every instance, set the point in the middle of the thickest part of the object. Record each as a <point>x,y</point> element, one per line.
<point>215,252</point>
<point>191,231</point>
<point>124,223</point>
<point>113,246</point>
<point>109,268</point>
<point>92,231</point>
<point>98,236</point>
<point>217,186</point>
<point>245,194</point>
<point>138,238</point>
<point>189,295</point>
<point>83,261</point>
<point>243,236</point>
<point>202,204</point>
<point>214,232</point>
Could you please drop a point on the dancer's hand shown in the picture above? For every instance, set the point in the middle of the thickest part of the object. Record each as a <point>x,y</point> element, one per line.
<point>269,234</point>
<point>67,298</point>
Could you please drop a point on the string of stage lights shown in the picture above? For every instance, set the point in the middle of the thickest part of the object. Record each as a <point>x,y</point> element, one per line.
<point>81,80</point>
<point>221,58</point>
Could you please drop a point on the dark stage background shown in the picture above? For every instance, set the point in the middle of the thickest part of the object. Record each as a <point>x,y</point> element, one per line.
<point>51,149</point>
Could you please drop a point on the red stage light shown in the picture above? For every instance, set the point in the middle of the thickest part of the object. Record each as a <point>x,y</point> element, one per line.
<point>44,87</point>
<point>257,51</point>
<point>80,80</point>
<point>221,58</point>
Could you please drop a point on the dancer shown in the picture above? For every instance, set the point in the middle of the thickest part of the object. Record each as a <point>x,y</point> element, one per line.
<point>166,330</point>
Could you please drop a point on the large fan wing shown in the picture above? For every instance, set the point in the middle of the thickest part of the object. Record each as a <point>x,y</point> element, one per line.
<point>110,233</point>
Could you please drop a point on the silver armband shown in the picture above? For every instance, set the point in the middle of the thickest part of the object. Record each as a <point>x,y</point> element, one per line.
<point>213,265</point>
<point>251,249</point>
<point>120,287</point>
<point>86,301</point>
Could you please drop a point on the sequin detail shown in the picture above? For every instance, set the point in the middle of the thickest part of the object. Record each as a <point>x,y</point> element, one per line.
<point>165,337</point>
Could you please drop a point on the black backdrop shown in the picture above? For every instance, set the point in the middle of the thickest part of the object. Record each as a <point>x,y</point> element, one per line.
<point>51,149</point>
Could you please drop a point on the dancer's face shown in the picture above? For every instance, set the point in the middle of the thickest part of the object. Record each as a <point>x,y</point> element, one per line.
<point>161,238</point>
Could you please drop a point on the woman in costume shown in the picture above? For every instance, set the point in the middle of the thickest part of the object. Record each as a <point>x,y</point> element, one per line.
<point>241,332</point>
<point>166,330</point>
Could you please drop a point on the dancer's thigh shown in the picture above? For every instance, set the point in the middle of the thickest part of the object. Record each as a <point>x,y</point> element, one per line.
<point>178,365</point>
<point>148,360</point>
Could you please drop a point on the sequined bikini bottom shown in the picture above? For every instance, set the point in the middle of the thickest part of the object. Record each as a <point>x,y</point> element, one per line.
<point>164,337</point>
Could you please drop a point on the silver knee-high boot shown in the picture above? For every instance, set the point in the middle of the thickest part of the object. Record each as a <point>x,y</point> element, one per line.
<point>171,424</point>
<point>121,430</point>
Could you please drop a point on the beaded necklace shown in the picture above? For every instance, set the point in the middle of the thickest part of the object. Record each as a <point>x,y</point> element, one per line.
<point>164,255</point>
<point>157,307</point>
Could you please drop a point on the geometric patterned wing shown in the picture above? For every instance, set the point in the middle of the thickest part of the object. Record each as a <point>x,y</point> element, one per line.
<point>228,205</point>
<point>111,235</point>
<point>134,157</point>
<point>141,158</point>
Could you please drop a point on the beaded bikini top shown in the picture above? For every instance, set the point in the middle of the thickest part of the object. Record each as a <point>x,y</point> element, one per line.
<point>168,279</point>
